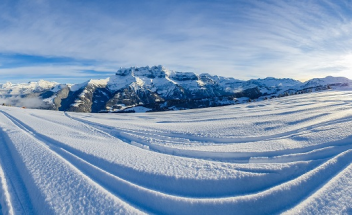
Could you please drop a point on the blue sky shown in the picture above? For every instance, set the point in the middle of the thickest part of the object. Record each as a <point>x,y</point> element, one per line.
<point>72,41</point>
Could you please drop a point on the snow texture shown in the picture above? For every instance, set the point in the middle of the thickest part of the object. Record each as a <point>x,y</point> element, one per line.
<point>290,155</point>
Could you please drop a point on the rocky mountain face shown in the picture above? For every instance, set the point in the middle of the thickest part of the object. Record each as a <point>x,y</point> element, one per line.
<point>155,89</point>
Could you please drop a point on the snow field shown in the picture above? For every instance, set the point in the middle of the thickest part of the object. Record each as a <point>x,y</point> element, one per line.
<point>288,155</point>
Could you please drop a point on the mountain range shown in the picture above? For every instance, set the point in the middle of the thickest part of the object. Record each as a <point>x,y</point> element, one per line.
<point>141,89</point>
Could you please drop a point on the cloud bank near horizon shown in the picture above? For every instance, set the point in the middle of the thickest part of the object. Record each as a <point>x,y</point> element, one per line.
<point>76,40</point>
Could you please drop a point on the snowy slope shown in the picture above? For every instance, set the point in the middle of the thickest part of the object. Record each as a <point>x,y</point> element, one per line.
<point>288,155</point>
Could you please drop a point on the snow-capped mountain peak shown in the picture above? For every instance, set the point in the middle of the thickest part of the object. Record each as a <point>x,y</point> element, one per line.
<point>329,80</point>
<point>26,88</point>
<point>157,88</point>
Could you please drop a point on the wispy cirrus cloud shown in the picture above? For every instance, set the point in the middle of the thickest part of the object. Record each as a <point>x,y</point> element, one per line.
<point>243,39</point>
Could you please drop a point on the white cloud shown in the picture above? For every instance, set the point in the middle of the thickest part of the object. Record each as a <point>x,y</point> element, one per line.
<point>242,39</point>
<point>60,73</point>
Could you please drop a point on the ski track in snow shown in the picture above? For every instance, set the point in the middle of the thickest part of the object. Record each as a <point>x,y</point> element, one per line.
<point>291,155</point>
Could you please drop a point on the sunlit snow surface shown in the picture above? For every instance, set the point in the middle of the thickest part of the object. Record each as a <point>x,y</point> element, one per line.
<point>291,155</point>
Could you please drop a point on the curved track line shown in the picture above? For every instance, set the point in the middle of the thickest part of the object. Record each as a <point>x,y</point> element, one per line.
<point>20,200</point>
<point>94,176</point>
<point>316,152</point>
<point>226,186</point>
<point>63,154</point>
<point>315,173</point>
<point>262,202</point>
<point>5,197</point>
